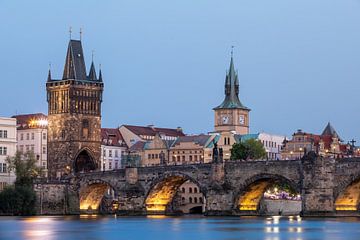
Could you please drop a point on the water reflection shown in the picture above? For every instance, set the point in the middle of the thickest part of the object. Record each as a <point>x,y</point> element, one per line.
<point>161,227</point>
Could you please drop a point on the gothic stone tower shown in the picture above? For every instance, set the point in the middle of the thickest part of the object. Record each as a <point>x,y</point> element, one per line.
<point>231,114</point>
<point>74,116</point>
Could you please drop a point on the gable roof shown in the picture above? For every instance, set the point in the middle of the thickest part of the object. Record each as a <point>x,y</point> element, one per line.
<point>152,131</point>
<point>112,137</point>
<point>138,146</point>
<point>201,140</point>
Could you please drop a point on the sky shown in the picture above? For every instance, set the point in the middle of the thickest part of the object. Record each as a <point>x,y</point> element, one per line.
<point>164,62</point>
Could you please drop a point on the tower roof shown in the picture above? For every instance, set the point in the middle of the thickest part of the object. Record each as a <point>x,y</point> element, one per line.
<point>75,63</point>
<point>92,73</point>
<point>330,131</point>
<point>231,90</point>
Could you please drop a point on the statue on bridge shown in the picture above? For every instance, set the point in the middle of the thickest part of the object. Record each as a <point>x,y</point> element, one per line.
<point>217,154</point>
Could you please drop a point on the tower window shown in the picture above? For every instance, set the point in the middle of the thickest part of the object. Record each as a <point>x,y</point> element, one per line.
<point>85,128</point>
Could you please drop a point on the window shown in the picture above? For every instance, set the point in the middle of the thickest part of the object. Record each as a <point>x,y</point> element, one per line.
<point>173,158</point>
<point>28,136</point>
<point>116,153</point>
<point>3,150</point>
<point>22,136</point>
<point>116,164</point>
<point>3,133</point>
<point>190,158</point>
<point>44,150</point>
<point>21,148</point>
<point>195,200</point>
<point>183,190</point>
<point>156,156</point>
<point>183,158</point>
<point>110,165</point>
<point>4,169</point>
<point>195,190</point>
<point>190,190</point>
<point>195,158</point>
<point>44,136</point>
<point>178,158</point>
<point>32,148</point>
<point>190,199</point>
<point>183,200</point>
<point>85,128</point>
<point>32,136</point>
<point>149,156</point>
<point>201,200</point>
<point>104,152</point>
<point>110,153</point>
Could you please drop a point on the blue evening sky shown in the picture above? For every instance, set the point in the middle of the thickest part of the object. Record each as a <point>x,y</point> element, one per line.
<point>164,62</point>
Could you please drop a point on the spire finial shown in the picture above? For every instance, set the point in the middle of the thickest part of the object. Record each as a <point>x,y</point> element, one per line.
<point>70,31</point>
<point>92,55</point>
<point>81,32</point>
<point>49,66</point>
<point>232,50</point>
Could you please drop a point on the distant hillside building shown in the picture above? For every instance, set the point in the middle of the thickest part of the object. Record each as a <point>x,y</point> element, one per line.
<point>32,136</point>
<point>327,144</point>
<point>7,149</point>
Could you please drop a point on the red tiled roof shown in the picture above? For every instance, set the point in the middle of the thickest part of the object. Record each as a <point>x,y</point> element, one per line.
<point>23,121</point>
<point>112,137</point>
<point>151,131</point>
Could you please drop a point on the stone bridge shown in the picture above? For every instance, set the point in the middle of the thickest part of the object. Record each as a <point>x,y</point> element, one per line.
<point>327,186</point>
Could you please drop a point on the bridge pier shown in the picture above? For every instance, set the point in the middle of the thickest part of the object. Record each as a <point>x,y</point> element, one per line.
<point>318,186</point>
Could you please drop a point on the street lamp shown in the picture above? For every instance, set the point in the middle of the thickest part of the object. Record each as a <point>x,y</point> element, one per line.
<point>291,153</point>
<point>300,150</point>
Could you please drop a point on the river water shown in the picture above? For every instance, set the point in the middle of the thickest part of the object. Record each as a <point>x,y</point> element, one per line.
<point>173,228</point>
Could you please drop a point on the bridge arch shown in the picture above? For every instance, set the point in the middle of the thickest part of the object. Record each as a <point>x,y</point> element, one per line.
<point>251,192</point>
<point>91,195</point>
<point>84,161</point>
<point>347,194</point>
<point>161,192</point>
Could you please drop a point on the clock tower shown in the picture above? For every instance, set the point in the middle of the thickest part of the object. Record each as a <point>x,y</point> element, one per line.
<point>231,114</point>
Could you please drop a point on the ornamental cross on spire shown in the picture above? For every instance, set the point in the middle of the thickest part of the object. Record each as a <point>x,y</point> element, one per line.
<point>232,50</point>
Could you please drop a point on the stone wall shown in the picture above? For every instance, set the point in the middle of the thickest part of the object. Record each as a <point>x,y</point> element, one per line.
<point>279,207</point>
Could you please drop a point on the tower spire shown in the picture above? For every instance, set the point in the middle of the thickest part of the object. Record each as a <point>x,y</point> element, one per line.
<point>100,73</point>
<point>49,73</point>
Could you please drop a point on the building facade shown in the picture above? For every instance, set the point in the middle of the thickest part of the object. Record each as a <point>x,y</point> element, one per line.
<point>327,144</point>
<point>32,136</point>
<point>7,149</point>
<point>74,116</point>
<point>231,114</point>
<point>113,148</point>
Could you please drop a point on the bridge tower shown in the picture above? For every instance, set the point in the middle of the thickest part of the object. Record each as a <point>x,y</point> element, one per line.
<point>74,116</point>
<point>231,114</point>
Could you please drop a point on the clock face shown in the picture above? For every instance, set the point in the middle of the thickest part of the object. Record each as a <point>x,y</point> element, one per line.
<point>242,119</point>
<point>225,119</point>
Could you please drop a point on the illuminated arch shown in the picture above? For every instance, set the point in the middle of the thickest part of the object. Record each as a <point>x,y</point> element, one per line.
<point>253,189</point>
<point>91,195</point>
<point>84,161</point>
<point>163,190</point>
<point>347,195</point>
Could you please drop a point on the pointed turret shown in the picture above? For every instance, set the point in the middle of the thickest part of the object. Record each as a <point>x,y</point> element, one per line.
<point>231,90</point>
<point>330,131</point>
<point>49,76</point>
<point>75,63</point>
<point>92,73</point>
<point>100,76</point>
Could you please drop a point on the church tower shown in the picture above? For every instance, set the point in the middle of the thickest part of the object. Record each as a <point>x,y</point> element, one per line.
<point>231,114</point>
<point>74,116</point>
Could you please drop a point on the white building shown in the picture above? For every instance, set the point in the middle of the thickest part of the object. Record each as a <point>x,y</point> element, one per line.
<point>272,143</point>
<point>113,148</point>
<point>32,136</point>
<point>7,149</point>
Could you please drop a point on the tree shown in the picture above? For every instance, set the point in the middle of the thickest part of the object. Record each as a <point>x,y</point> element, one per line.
<point>20,199</point>
<point>248,149</point>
